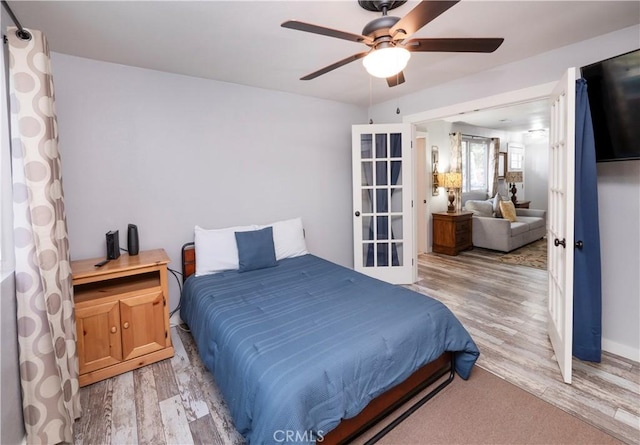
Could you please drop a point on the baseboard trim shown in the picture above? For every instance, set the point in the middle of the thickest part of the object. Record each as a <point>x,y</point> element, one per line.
<point>621,350</point>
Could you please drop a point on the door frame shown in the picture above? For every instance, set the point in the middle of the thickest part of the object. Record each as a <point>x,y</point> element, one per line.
<point>422,156</point>
<point>538,92</point>
<point>515,97</point>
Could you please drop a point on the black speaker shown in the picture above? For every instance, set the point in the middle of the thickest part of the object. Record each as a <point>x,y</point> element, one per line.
<point>113,245</point>
<point>132,239</point>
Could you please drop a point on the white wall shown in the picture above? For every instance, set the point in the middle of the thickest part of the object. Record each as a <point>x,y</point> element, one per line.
<point>620,326</point>
<point>619,212</point>
<point>536,170</point>
<point>167,152</point>
<point>438,135</point>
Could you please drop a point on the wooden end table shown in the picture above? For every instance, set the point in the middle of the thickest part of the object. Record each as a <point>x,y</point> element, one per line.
<point>452,232</point>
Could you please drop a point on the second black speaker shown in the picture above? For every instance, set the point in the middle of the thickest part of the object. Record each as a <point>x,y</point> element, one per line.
<point>133,245</point>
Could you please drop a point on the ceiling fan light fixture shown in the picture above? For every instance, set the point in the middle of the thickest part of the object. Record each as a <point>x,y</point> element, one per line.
<point>386,62</point>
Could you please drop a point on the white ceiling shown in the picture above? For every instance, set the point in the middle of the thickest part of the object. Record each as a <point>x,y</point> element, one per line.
<point>242,41</point>
<point>525,117</point>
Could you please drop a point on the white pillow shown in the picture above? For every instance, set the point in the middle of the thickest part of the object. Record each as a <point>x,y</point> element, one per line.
<point>216,250</point>
<point>479,208</point>
<point>288,238</point>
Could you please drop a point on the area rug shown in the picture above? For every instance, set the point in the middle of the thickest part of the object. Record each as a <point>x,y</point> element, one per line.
<point>489,410</point>
<point>531,255</point>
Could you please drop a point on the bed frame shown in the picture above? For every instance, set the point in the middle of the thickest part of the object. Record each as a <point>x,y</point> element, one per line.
<point>440,372</point>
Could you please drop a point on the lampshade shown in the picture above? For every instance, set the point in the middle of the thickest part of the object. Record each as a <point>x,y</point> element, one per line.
<point>386,62</point>
<point>513,177</point>
<point>452,180</point>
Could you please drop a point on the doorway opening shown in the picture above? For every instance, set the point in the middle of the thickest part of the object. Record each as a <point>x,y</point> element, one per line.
<point>436,124</point>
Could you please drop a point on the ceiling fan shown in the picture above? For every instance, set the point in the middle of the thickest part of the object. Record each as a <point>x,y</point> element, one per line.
<point>388,39</point>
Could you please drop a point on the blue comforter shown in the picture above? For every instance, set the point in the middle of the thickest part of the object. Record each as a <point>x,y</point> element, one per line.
<point>297,347</point>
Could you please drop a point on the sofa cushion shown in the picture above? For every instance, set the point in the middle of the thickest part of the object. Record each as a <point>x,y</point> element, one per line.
<point>479,208</point>
<point>518,228</point>
<point>532,221</point>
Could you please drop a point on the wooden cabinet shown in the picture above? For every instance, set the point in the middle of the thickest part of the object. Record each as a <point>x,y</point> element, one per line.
<point>122,314</point>
<point>452,232</point>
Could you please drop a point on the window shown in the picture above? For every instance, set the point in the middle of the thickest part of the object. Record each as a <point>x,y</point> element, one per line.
<point>475,163</point>
<point>516,157</point>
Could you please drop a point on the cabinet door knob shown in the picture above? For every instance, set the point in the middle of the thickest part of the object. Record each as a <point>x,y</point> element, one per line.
<point>126,325</point>
<point>114,329</point>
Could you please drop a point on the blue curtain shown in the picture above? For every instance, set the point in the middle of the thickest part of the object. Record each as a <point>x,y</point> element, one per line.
<point>587,288</point>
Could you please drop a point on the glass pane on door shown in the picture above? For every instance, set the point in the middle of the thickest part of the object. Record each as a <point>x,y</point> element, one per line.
<point>366,146</point>
<point>381,146</point>
<point>367,173</point>
<point>383,227</point>
<point>367,204</point>
<point>367,228</point>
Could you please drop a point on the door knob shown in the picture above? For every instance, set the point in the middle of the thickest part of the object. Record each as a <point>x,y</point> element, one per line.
<point>562,243</point>
<point>357,213</point>
<point>579,244</point>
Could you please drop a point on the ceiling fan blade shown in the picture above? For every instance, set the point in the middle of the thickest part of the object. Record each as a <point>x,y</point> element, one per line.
<point>315,29</point>
<point>461,45</point>
<point>333,66</point>
<point>419,16</point>
<point>395,80</point>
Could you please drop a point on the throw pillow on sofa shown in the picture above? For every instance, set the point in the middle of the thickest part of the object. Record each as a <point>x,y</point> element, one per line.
<point>479,208</point>
<point>496,204</point>
<point>508,210</point>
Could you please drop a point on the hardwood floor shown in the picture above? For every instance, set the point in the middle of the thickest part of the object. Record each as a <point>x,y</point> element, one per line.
<point>504,309</point>
<point>169,402</point>
<point>502,306</point>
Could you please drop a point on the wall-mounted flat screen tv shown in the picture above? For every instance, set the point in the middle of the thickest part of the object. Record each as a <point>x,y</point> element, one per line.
<point>613,87</point>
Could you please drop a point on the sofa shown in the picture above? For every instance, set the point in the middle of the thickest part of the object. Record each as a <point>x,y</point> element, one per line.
<point>496,233</point>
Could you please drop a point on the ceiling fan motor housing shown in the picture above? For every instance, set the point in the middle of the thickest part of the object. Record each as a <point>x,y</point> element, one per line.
<point>380,5</point>
<point>379,27</point>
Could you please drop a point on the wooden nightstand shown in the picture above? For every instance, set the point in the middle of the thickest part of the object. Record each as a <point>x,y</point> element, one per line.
<point>452,232</point>
<point>522,204</point>
<point>122,314</point>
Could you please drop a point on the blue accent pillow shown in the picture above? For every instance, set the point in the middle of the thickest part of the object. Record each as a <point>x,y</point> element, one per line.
<point>256,249</point>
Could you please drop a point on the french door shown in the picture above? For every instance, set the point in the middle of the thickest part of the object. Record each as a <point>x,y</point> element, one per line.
<point>560,242</point>
<point>383,203</point>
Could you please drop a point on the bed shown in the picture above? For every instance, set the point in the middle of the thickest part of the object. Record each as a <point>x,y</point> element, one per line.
<point>311,351</point>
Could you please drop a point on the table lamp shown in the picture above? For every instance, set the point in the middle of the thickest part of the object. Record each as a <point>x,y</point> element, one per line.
<point>512,178</point>
<point>452,181</point>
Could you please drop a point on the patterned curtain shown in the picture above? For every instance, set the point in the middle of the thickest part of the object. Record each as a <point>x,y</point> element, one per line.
<point>46,321</point>
<point>455,164</point>
<point>494,149</point>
